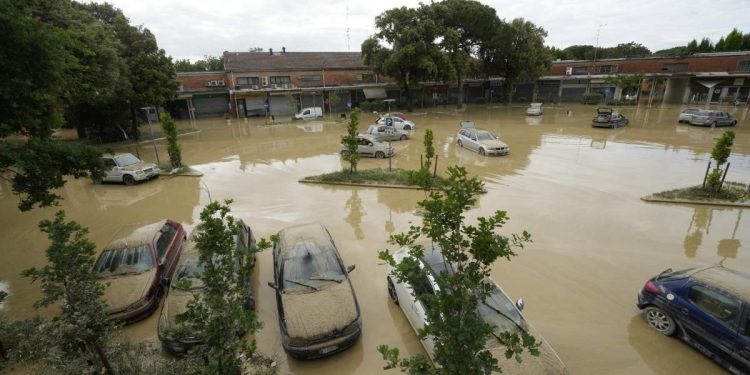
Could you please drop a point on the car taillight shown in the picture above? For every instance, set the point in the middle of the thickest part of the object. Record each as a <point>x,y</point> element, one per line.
<point>651,287</point>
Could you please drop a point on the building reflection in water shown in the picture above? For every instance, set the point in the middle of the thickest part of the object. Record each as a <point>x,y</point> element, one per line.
<point>700,225</point>
<point>354,205</point>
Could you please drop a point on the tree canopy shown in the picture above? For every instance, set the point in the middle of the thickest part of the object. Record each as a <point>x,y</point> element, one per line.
<point>206,64</point>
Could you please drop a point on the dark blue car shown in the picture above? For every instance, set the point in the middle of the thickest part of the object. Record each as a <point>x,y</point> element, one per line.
<point>708,307</point>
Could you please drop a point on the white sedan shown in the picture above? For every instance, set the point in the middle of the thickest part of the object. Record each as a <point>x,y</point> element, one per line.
<point>497,310</point>
<point>397,122</point>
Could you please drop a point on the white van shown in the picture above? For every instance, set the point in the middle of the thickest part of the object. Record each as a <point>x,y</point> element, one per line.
<point>308,113</point>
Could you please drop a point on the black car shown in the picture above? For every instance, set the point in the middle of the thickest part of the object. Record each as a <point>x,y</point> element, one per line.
<point>606,118</point>
<point>318,310</point>
<point>708,307</point>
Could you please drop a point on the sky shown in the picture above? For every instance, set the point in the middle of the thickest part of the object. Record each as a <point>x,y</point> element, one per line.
<point>194,28</point>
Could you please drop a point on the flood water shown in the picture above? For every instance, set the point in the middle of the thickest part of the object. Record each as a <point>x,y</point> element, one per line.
<point>575,188</point>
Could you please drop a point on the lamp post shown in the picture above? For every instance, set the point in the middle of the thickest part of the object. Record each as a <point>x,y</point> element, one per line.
<point>151,130</point>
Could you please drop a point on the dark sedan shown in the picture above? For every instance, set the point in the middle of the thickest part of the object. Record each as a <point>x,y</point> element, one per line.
<point>137,266</point>
<point>708,307</point>
<point>606,118</point>
<point>318,310</point>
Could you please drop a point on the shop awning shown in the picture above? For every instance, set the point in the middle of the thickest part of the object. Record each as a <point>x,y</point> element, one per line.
<point>375,93</point>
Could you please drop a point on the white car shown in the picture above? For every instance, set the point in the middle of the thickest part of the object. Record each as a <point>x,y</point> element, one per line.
<point>387,133</point>
<point>368,145</point>
<point>397,122</point>
<point>309,113</point>
<point>535,109</point>
<point>128,169</point>
<point>481,141</point>
<point>688,114</point>
<point>497,310</point>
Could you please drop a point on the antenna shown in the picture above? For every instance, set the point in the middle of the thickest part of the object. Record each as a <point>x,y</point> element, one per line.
<point>348,49</point>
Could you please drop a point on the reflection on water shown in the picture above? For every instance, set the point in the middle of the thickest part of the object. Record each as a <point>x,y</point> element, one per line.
<point>576,189</point>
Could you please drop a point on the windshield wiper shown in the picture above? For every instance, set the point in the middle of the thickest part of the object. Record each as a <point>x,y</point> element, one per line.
<point>303,284</point>
<point>504,315</point>
<point>327,279</point>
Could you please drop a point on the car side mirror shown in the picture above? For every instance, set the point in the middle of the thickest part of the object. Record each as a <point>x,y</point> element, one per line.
<point>273,285</point>
<point>370,144</point>
<point>519,304</point>
<point>351,268</point>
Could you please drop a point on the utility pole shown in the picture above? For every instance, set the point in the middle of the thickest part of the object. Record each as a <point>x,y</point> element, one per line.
<point>596,48</point>
<point>151,130</point>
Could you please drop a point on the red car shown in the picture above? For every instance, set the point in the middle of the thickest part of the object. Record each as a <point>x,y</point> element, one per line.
<point>137,265</point>
<point>400,115</point>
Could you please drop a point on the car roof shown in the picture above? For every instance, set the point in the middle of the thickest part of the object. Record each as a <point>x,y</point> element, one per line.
<point>313,236</point>
<point>117,154</point>
<point>719,277</point>
<point>135,234</point>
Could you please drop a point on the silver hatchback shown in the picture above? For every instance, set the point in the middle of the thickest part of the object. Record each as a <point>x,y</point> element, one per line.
<point>367,145</point>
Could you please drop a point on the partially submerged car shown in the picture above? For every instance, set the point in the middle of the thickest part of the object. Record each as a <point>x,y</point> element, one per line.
<point>497,310</point>
<point>128,169</point>
<point>708,307</point>
<point>137,266</point>
<point>607,118</point>
<point>368,145</point>
<point>482,141</point>
<point>535,109</point>
<point>687,114</point>
<point>318,311</point>
<point>713,119</point>
<point>387,133</point>
<point>396,121</point>
<point>186,283</point>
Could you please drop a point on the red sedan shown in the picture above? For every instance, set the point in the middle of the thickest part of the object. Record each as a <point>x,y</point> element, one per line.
<point>138,264</point>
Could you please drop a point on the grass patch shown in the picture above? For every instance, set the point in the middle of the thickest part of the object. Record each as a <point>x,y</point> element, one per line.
<point>731,192</point>
<point>376,176</point>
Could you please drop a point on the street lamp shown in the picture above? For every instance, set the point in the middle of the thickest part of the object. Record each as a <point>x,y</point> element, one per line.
<point>151,130</point>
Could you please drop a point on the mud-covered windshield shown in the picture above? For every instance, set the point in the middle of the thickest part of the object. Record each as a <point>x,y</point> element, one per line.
<point>125,261</point>
<point>500,311</point>
<point>186,276</point>
<point>485,136</point>
<point>126,159</point>
<point>308,268</point>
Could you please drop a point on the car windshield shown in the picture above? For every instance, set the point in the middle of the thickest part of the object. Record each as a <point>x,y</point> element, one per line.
<point>187,276</point>
<point>124,261</point>
<point>499,311</point>
<point>126,159</point>
<point>485,136</point>
<point>308,268</point>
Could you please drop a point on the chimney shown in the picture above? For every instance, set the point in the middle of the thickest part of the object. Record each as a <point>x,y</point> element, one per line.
<point>283,50</point>
<point>270,51</point>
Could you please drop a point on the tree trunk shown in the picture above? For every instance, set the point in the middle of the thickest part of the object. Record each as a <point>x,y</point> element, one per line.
<point>408,96</point>
<point>461,95</point>
<point>134,123</point>
<point>103,358</point>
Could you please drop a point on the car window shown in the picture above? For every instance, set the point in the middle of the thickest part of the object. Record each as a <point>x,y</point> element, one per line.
<point>719,305</point>
<point>423,286</point>
<point>363,141</point>
<point>165,238</point>
<point>126,159</point>
<point>747,325</point>
<point>381,129</point>
<point>501,312</point>
<point>245,235</point>
<point>485,136</point>
<point>109,162</point>
<point>133,260</point>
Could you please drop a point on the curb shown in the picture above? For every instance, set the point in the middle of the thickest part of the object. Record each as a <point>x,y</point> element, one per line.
<point>650,198</point>
<point>388,186</point>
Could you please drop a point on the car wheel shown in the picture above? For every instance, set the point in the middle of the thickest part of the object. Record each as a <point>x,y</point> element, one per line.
<point>345,153</point>
<point>128,179</point>
<point>392,291</point>
<point>714,124</point>
<point>481,151</point>
<point>403,137</point>
<point>407,127</point>
<point>379,155</point>
<point>460,144</point>
<point>660,321</point>
<point>734,122</point>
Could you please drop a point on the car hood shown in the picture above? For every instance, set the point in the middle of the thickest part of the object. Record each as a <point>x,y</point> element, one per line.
<point>138,166</point>
<point>124,291</point>
<point>546,363</point>
<point>316,315</point>
<point>175,304</point>
<point>493,143</point>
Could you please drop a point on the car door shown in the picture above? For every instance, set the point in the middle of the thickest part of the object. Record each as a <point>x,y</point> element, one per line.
<point>112,172</point>
<point>473,141</point>
<point>742,346</point>
<point>365,147</point>
<point>416,311</point>
<point>712,319</point>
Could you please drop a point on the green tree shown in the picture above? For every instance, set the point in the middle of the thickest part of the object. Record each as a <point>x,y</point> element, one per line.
<point>733,40</point>
<point>628,83</point>
<point>82,329</point>
<point>217,312</point>
<point>351,141</point>
<point>581,52</point>
<point>692,47</point>
<point>459,334</point>
<point>173,148</point>
<point>206,64</point>
<point>403,48</point>
<point>560,54</point>
<point>518,53</point>
<point>721,151</point>
<point>706,45</point>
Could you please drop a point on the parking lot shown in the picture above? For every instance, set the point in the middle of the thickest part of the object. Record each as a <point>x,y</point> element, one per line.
<point>574,188</point>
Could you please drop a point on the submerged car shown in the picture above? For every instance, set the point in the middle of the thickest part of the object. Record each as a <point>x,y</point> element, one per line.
<point>713,119</point>
<point>606,118</point>
<point>387,133</point>
<point>708,307</point>
<point>128,169</point>
<point>318,310</point>
<point>397,122</point>
<point>137,266</point>
<point>482,141</point>
<point>687,114</point>
<point>497,310</point>
<point>535,109</point>
<point>368,145</point>
<point>186,284</point>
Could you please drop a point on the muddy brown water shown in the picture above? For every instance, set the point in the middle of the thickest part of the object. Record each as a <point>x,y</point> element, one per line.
<point>576,189</point>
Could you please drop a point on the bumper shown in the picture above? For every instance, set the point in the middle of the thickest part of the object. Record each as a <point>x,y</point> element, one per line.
<point>140,313</point>
<point>497,152</point>
<point>176,347</point>
<point>700,123</point>
<point>147,176</point>
<point>324,349</point>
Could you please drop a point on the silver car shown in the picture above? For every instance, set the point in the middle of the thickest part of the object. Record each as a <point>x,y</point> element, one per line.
<point>387,133</point>
<point>481,141</point>
<point>128,169</point>
<point>687,114</point>
<point>369,146</point>
<point>397,122</point>
<point>713,119</point>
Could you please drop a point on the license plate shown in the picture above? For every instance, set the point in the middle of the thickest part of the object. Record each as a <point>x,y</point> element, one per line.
<point>328,349</point>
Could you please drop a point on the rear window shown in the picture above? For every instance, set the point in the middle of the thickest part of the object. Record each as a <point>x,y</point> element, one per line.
<point>165,239</point>
<point>721,306</point>
<point>124,261</point>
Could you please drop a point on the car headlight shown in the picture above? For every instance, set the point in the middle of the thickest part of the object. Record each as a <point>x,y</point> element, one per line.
<point>352,328</point>
<point>140,171</point>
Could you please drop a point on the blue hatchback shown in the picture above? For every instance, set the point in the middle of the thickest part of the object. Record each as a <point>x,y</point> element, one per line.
<point>708,307</point>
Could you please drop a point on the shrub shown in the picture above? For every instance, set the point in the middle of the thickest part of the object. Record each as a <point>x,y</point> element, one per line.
<point>592,98</point>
